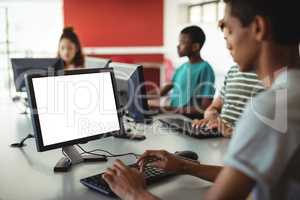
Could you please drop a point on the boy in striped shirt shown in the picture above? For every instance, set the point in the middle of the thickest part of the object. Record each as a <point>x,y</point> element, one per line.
<point>239,87</point>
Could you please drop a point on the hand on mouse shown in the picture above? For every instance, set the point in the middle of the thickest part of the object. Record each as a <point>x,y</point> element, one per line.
<point>161,159</point>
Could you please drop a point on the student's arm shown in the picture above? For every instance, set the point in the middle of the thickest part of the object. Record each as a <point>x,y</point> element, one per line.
<point>129,184</point>
<point>213,120</point>
<point>170,162</point>
<point>231,184</point>
<point>166,88</point>
<point>157,93</point>
<point>206,172</point>
<point>184,110</point>
<point>206,102</point>
<point>214,108</point>
<point>189,110</point>
<point>226,179</point>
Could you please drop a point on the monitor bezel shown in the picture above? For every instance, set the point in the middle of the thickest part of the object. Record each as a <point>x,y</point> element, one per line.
<point>35,117</point>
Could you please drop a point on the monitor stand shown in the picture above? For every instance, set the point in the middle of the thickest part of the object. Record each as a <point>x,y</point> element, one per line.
<point>127,133</point>
<point>74,157</point>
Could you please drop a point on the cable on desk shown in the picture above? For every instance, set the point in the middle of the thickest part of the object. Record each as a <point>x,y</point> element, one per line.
<point>110,155</point>
<point>88,152</point>
<point>21,144</point>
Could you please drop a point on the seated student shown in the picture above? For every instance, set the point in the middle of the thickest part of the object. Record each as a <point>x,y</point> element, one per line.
<point>264,153</point>
<point>193,82</point>
<point>69,49</point>
<point>238,88</point>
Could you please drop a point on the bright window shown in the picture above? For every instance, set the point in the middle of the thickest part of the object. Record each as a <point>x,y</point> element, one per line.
<point>33,29</point>
<point>206,12</point>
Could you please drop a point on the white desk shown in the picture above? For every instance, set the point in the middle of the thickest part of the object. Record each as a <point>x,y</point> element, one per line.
<point>28,174</point>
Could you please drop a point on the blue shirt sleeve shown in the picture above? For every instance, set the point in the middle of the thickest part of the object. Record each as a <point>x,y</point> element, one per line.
<point>175,74</point>
<point>206,83</point>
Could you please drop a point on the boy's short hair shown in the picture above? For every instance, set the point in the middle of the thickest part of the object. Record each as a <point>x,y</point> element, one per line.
<point>195,33</point>
<point>282,15</point>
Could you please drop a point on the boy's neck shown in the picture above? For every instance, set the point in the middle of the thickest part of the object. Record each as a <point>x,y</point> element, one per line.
<point>195,58</point>
<point>274,59</point>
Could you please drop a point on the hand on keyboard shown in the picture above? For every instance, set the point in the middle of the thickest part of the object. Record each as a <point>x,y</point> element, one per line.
<point>209,123</point>
<point>215,124</point>
<point>124,181</point>
<point>160,159</point>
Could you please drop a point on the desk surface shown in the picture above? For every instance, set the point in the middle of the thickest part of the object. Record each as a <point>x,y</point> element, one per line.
<point>28,174</point>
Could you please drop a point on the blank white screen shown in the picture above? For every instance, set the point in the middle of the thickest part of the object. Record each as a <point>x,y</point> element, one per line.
<point>75,106</point>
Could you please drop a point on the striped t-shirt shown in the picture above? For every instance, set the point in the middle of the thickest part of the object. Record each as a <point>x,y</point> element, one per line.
<point>238,88</point>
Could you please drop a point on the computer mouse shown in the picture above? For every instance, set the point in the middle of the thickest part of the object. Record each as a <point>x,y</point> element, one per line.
<point>187,154</point>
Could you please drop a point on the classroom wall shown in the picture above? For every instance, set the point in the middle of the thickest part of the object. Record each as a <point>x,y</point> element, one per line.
<point>128,31</point>
<point>116,23</point>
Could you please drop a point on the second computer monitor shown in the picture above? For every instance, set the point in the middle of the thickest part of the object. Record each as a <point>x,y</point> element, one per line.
<point>21,66</point>
<point>132,91</point>
<point>95,62</point>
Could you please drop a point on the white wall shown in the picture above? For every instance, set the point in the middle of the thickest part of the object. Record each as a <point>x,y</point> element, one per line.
<point>214,49</point>
<point>34,26</point>
<point>33,31</point>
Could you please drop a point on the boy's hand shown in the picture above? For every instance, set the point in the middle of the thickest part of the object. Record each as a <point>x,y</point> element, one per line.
<point>211,114</point>
<point>161,159</point>
<point>154,103</point>
<point>214,123</point>
<point>127,183</point>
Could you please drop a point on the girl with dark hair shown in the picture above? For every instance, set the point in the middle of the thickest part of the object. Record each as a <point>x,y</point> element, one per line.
<point>69,49</point>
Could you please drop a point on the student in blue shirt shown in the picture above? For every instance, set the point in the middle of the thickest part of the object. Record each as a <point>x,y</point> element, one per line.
<point>193,82</point>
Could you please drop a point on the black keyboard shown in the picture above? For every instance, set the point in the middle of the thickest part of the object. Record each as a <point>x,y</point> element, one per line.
<point>152,175</point>
<point>185,126</point>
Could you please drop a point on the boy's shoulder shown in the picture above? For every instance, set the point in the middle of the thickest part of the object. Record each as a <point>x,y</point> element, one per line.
<point>203,64</point>
<point>181,67</point>
<point>233,70</point>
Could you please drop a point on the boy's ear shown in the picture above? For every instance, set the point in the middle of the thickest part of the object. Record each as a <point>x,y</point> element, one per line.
<point>261,28</point>
<point>196,47</point>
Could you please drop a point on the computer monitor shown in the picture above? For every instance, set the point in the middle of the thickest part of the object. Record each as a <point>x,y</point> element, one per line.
<point>21,66</point>
<point>72,108</point>
<point>95,62</point>
<point>131,90</point>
